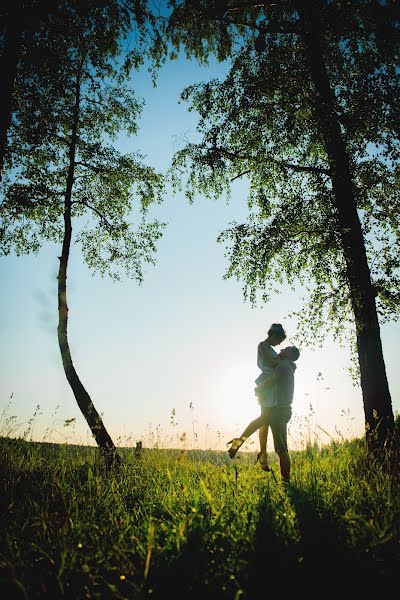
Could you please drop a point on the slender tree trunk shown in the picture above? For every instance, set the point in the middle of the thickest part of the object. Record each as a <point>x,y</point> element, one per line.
<point>8,71</point>
<point>83,399</point>
<point>379,420</point>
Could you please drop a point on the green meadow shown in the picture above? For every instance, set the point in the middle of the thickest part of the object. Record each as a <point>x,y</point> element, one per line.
<point>193,524</point>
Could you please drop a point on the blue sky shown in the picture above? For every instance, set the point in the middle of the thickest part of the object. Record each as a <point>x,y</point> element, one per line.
<point>184,340</point>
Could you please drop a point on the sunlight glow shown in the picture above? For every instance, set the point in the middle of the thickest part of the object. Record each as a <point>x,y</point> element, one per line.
<point>237,404</point>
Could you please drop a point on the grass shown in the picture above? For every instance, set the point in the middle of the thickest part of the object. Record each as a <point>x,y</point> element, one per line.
<point>173,524</point>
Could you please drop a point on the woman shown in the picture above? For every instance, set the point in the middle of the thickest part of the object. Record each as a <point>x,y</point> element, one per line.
<point>267,360</point>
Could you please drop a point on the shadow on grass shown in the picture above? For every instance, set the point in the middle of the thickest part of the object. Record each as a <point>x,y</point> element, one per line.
<point>316,557</point>
<point>197,571</point>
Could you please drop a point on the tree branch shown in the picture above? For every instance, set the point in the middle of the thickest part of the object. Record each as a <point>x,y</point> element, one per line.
<point>98,170</point>
<point>303,168</point>
<point>282,164</point>
<point>93,101</point>
<point>240,6</point>
<point>270,29</point>
<point>98,213</point>
<point>241,175</point>
<point>306,232</point>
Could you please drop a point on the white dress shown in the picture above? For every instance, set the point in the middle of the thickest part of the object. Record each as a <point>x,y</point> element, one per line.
<point>267,397</point>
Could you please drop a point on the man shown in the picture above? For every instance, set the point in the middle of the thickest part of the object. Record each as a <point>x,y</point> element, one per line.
<point>267,360</point>
<point>276,417</point>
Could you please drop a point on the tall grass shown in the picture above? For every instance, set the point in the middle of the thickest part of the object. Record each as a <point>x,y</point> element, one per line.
<point>194,525</point>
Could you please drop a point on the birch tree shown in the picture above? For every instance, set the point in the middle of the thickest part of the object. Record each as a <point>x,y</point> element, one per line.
<point>65,169</point>
<point>309,113</point>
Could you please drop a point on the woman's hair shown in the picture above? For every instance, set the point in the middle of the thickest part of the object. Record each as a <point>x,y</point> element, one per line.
<point>277,329</point>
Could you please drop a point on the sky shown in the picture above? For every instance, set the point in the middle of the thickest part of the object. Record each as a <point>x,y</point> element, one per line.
<point>171,362</point>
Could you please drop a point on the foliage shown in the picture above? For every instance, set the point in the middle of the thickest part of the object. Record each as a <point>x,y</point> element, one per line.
<point>79,66</point>
<point>260,122</point>
<point>166,525</point>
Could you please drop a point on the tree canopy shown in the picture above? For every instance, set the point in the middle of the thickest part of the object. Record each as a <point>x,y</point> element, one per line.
<point>64,168</point>
<point>81,49</point>
<point>261,122</point>
<point>309,112</point>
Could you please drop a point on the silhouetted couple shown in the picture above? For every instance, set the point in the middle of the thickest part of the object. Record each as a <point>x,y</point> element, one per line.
<point>274,391</point>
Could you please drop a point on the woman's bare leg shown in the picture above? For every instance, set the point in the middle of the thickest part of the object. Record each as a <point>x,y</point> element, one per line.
<point>250,429</point>
<point>253,426</point>
<point>262,456</point>
<point>263,437</point>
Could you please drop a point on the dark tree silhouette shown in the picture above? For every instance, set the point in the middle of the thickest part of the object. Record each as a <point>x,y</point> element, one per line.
<point>310,113</point>
<point>64,167</point>
<point>11,34</point>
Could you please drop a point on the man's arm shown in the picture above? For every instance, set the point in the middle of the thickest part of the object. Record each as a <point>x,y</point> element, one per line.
<point>278,374</point>
<point>268,381</point>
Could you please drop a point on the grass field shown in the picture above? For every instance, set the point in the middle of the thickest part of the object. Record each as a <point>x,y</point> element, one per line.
<point>174,524</point>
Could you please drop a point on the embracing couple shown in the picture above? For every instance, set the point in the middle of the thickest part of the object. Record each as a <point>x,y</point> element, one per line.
<point>274,392</point>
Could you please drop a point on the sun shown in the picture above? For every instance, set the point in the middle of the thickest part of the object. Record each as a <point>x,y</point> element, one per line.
<point>237,404</point>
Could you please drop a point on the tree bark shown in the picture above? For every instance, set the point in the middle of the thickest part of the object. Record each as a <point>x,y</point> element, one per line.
<point>82,397</point>
<point>379,419</point>
<point>9,63</point>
